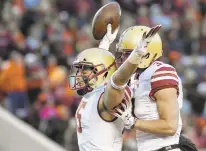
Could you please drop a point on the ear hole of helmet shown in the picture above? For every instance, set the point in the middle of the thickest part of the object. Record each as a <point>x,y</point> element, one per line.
<point>105,75</point>
<point>147,56</point>
<point>95,70</point>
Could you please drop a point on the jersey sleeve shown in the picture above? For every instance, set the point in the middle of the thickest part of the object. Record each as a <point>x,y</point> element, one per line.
<point>164,77</point>
<point>127,98</point>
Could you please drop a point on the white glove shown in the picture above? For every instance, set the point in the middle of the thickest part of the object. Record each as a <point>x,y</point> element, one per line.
<point>125,115</point>
<point>108,38</point>
<point>140,51</point>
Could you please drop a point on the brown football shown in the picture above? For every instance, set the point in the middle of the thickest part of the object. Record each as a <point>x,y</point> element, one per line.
<point>108,14</point>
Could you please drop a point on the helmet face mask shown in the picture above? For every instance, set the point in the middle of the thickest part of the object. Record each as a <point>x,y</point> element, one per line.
<point>83,74</point>
<point>91,71</point>
<point>86,75</point>
<point>121,57</point>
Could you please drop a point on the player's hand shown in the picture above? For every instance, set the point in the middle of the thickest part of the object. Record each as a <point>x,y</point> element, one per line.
<point>125,114</point>
<point>140,51</point>
<point>108,38</point>
<point>141,46</point>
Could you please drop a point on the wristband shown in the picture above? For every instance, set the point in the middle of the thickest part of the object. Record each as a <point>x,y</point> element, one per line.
<point>117,87</point>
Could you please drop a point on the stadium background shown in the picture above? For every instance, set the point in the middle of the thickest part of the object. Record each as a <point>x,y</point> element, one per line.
<point>40,38</point>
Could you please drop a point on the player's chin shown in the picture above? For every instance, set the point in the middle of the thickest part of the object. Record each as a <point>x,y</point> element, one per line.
<point>84,91</point>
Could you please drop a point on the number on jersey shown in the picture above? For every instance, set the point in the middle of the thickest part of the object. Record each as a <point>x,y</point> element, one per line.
<point>78,115</point>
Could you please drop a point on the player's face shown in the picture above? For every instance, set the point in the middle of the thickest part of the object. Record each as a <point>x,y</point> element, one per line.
<point>83,76</point>
<point>121,57</point>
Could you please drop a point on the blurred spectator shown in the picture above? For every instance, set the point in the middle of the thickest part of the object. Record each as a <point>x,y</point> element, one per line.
<point>13,83</point>
<point>157,17</point>
<point>35,76</point>
<point>6,44</point>
<point>142,18</point>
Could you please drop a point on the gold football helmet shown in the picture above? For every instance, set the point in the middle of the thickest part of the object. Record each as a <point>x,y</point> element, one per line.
<point>128,41</point>
<point>94,66</point>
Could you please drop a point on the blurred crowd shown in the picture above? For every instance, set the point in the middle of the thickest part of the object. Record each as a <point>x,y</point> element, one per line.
<point>40,38</point>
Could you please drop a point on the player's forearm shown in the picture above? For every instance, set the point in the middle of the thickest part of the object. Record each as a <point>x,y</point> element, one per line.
<point>112,97</point>
<point>124,73</point>
<point>160,127</point>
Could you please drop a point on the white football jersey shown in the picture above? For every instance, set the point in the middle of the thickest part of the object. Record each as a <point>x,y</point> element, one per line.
<point>157,76</point>
<point>94,133</point>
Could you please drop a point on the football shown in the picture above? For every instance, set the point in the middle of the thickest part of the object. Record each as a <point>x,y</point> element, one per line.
<point>108,14</point>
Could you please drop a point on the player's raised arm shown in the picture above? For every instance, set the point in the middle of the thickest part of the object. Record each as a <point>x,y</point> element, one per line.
<point>115,90</point>
<point>125,71</point>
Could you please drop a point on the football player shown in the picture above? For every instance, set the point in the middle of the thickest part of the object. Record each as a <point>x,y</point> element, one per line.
<point>97,128</point>
<point>157,91</point>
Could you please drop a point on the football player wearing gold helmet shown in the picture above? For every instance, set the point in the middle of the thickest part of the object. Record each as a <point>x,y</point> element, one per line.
<point>157,93</point>
<point>97,128</point>
<point>128,41</point>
